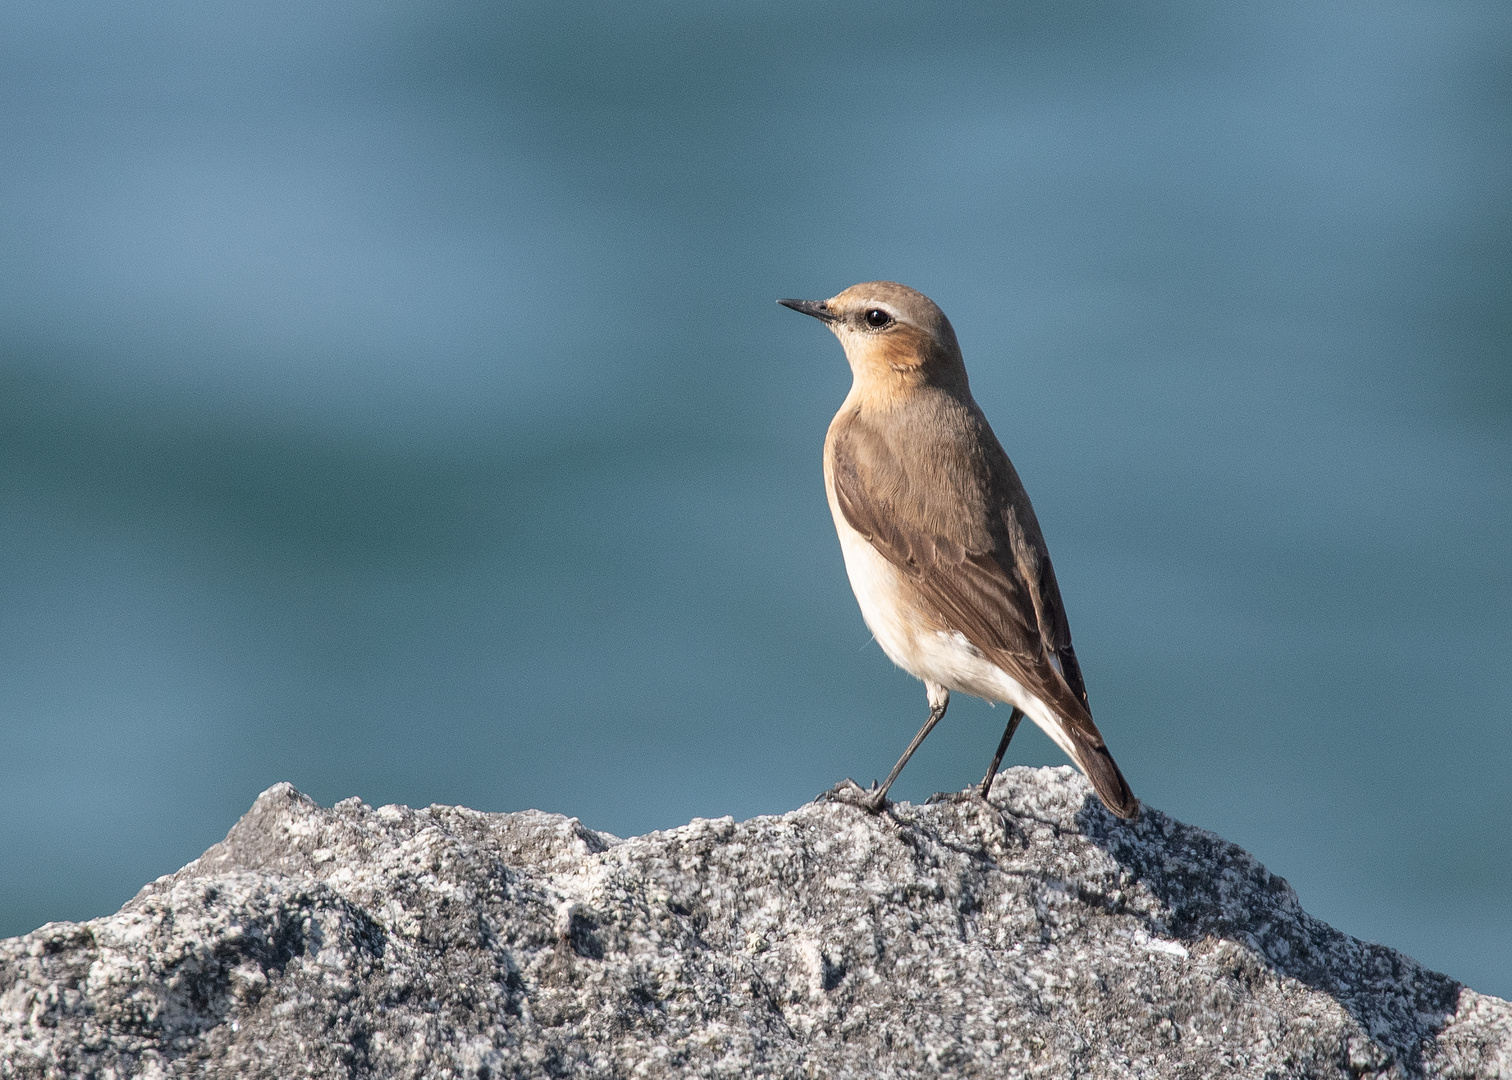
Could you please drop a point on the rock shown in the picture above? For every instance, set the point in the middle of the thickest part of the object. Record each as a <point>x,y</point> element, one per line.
<point>1036,936</point>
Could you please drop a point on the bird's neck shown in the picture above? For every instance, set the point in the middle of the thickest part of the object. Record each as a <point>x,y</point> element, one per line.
<point>875,389</point>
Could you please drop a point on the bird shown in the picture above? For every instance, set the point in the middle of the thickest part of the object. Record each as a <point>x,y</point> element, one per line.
<point>940,541</point>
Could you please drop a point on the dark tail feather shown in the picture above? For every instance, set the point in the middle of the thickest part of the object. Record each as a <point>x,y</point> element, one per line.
<point>1102,771</point>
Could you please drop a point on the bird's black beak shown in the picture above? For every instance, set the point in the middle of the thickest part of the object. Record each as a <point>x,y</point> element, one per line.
<point>817,308</point>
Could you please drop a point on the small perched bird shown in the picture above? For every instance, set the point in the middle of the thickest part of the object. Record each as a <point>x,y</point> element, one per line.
<point>941,545</point>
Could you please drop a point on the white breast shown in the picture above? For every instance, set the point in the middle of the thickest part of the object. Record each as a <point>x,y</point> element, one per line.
<point>883,595</point>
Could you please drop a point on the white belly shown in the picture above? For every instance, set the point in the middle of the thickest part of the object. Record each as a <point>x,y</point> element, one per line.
<point>914,641</point>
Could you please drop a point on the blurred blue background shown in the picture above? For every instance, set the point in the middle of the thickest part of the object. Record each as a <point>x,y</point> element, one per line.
<point>393,401</point>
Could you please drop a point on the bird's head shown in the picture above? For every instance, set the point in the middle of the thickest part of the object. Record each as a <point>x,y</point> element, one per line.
<point>894,337</point>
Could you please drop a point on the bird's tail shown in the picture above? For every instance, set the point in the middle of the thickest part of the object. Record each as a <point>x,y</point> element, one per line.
<point>1092,757</point>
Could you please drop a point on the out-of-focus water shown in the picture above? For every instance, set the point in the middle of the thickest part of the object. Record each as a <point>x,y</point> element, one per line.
<point>393,401</point>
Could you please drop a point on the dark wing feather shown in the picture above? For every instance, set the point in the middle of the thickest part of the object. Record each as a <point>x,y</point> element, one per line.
<point>952,514</point>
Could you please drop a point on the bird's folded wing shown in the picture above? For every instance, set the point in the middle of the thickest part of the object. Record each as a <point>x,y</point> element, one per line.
<point>956,520</point>
<point>955,536</point>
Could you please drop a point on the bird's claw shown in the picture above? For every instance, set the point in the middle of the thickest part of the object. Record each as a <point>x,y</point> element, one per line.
<point>973,794</point>
<point>851,793</point>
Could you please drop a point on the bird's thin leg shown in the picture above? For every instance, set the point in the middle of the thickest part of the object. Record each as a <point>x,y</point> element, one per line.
<point>939,700</point>
<point>997,759</point>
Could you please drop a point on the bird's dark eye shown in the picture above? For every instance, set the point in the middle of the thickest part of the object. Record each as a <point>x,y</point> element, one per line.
<point>876,318</point>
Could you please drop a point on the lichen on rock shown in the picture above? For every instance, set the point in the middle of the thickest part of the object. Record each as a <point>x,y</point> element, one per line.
<point>1034,935</point>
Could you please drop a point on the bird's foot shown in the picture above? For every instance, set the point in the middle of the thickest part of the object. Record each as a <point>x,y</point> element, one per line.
<point>975,797</point>
<point>847,791</point>
<point>972,794</point>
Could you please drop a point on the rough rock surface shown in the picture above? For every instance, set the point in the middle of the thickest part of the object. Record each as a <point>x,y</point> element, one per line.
<point>1036,936</point>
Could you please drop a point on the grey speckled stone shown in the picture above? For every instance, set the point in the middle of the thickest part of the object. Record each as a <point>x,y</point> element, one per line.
<point>1037,936</point>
